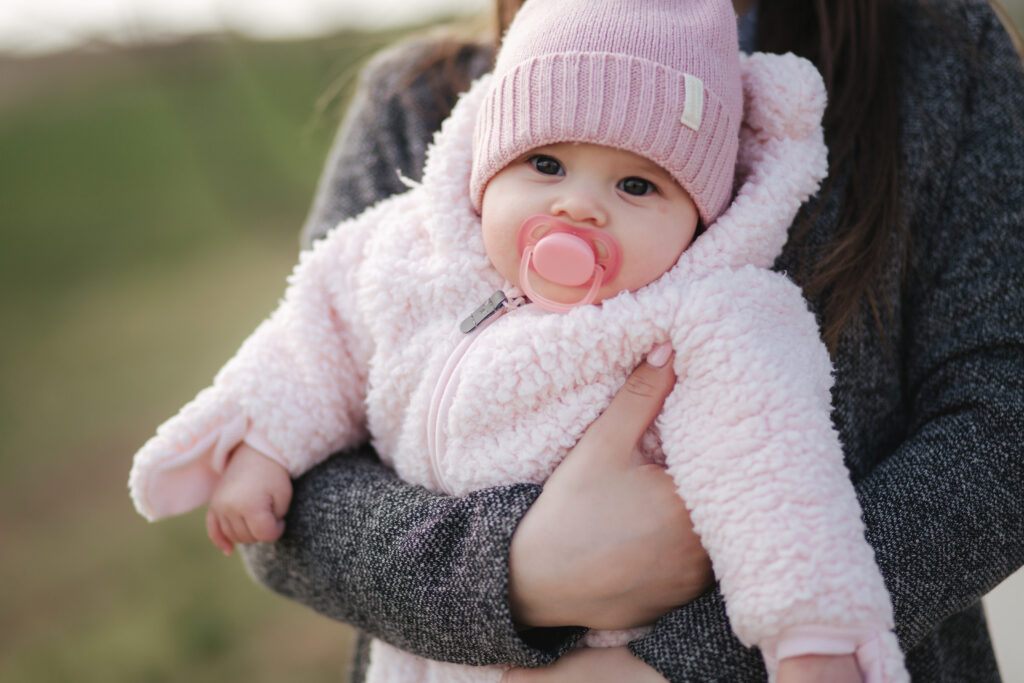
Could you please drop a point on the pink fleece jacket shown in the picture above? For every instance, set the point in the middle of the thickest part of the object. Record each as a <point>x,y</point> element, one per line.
<point>366,343</point>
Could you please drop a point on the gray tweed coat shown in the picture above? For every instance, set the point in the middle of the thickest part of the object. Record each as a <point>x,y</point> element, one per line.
<point>931,413</point>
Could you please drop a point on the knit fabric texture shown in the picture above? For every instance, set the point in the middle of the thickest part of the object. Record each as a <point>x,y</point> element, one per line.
<point>659,78</point>
<point>930,412</point>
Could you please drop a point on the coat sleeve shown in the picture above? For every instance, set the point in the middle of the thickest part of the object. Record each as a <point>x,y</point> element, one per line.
<point>295,389</point>
<point>425,572</point>
<point>944,510</point>
<point>749,440</point>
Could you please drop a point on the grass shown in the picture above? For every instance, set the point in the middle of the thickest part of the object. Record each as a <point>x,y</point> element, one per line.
<point>149,213</point>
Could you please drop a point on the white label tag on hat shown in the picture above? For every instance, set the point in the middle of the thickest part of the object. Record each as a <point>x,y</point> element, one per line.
<point>693,109</point>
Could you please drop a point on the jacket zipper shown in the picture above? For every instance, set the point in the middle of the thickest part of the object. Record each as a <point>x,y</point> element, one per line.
<point>472,327</point>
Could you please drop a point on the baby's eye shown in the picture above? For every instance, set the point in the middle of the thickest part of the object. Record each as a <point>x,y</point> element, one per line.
<point>546,165</point>
<point>637,186</point>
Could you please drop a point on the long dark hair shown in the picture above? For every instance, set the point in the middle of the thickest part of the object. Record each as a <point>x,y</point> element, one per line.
<point>852,42</point>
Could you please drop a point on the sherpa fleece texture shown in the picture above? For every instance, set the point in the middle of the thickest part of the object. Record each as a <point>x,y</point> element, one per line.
<point>371,317</point>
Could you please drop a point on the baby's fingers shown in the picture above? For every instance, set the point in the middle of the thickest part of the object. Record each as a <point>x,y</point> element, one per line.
<point>264,526</point>
<point>216,534</point>
<point>236,527</point>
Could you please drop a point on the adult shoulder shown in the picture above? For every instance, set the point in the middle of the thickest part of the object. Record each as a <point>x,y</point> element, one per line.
<point>421,67</point>
<point>949,42</point>
<point>403,94</point>
<point>959,72</point>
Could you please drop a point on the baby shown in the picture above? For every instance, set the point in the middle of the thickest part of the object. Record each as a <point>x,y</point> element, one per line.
<point>573,181</point>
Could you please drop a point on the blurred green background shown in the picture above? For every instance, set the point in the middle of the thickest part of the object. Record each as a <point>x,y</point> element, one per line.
<point>150,202</point>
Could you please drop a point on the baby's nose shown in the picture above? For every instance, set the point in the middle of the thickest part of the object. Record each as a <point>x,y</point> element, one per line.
<point>580,205</point>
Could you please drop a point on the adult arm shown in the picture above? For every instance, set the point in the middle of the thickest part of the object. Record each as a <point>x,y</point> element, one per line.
<point>945,510</point>
<point>426,573</point>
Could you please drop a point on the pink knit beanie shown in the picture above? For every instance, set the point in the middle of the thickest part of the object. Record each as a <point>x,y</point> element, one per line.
<point>659,78</point>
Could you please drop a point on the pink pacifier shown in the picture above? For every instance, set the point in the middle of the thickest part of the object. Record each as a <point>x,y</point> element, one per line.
<point>565,255</point>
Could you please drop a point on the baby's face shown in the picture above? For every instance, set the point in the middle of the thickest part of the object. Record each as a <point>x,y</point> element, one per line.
<point>590,186</point>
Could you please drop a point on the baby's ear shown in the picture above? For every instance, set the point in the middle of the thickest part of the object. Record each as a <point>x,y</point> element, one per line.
<point>783,95</point>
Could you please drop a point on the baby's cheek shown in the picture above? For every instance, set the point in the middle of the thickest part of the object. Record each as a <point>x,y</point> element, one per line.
<point>502,254</point>
<point>650,264</point>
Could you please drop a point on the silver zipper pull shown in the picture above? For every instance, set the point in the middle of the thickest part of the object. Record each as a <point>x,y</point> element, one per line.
<point>488,308</point>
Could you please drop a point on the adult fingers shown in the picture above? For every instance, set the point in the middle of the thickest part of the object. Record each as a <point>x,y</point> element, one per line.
<point>634,407</point>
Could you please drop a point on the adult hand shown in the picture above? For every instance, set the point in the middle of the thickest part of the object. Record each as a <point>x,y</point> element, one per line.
<point>608,544</point>
<point>589,665</point>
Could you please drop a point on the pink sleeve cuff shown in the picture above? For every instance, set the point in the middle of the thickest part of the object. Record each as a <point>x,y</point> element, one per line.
<point>820,640</point>
<point>231,434</point>
<point>257,440</point>
<point>173,481</point>
<point>877,651</point>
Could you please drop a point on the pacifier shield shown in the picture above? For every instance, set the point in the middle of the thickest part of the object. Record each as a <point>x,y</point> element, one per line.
<point>604,249</point>
<point>564,259</point>
<point>567,255</point>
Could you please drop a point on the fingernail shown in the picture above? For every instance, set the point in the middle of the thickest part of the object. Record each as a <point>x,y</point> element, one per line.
<point>658,356</point>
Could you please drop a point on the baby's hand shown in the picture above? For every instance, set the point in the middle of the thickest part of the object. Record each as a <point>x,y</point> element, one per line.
<point>249,502</point>
<point>819,669</point>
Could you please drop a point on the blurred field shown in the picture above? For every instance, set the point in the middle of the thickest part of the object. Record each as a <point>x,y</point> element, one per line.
<point>150,201</point>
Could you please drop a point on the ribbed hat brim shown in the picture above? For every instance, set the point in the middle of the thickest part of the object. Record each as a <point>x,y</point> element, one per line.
<point>613,100</point>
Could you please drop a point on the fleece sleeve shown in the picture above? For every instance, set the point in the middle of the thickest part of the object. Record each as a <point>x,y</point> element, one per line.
<point>945,509</point>
<point>297,386</point>
<point>749,440</point>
